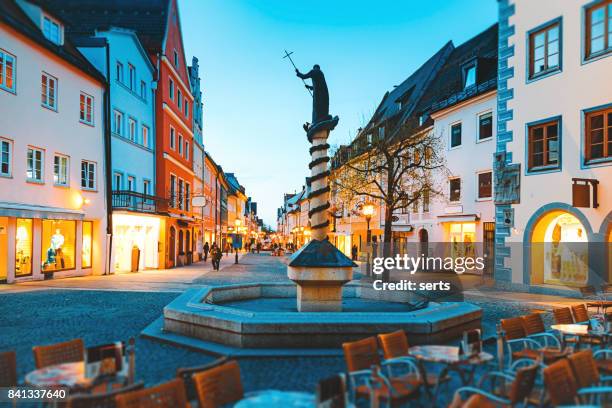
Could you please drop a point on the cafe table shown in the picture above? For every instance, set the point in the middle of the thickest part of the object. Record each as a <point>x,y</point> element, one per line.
<point>449,356</point>
<point>580,331</point>
<point>277,399</point>
<point>68,375</point>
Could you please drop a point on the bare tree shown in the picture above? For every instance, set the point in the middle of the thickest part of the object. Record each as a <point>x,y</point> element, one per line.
<point>394,171</point>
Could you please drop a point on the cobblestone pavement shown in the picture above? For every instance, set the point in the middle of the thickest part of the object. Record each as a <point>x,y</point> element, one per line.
<point>45,316</point>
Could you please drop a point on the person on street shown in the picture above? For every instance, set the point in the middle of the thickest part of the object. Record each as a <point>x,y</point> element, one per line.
<point>206,250</point>
<point>354,252</point>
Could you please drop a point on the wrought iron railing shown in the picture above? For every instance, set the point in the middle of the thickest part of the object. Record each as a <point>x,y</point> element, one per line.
<point>134,201</point>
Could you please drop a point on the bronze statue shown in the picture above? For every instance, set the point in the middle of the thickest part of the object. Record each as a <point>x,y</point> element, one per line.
<point>320,97</point>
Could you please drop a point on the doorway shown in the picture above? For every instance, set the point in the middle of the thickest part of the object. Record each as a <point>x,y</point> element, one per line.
<point>488,240</point>
<point>172,246</point>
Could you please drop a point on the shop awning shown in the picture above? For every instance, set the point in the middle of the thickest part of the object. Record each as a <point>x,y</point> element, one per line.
<point>39,211</point>
<point>459,218</point>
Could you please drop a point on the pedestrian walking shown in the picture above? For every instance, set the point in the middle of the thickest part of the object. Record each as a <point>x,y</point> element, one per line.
<point>354,252</point>
<point>206,250</point>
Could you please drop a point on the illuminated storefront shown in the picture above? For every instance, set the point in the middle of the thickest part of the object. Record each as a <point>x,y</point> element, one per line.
<point>3,248</point>
<point>132,232</point>
<point>23,247</point>
<point>58,249</point>
<point>462,239</point>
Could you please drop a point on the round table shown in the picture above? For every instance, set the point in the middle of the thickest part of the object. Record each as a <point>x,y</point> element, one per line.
<point>275,398</point>
<point>71,375</point>
<point>580,330</point>
<point>452,360</point>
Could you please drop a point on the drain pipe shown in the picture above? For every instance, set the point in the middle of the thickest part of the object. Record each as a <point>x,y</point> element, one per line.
<point>108,160</point>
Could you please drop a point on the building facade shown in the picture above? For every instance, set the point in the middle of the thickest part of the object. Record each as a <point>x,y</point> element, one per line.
<point>53,220</point>
<point>554,145</point>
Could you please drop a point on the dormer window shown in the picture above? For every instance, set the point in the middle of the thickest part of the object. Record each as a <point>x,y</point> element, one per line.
<point>469,75</point>
<point>52,30</point>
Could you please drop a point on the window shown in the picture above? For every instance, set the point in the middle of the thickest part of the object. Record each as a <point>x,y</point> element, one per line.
<point>187,150</point>
<point>381,133</point>
<point>118,122</point>
<point>598,134</point>
<point>485,126</point>
<point>485,185</point>
<point>181,189</point>
<point>455,135</point>
<point>145,136</point>
<point>176,61</point>
<point>455,189</point>
<point>35,162</point>
<point>23,247</point>
<point>119,72</point>
<point>131,183</point>
<point>52,30</point>
<point>6,153</point>
<point>425,200</point>
<point>58,245</point>
<point>86,107</point>
<point>143,89</point>
<point>180,144</point>
<point>49,91</point>
<point>598,36</point>
<point>469,76</point>
<point>7,71</point>
<point>117,181</point>
<point>544,146</point>
<point>172,138</point>
<point>186,108</point>
<point>173,200</point>
<point>187,196</point>
<point>132,129</point>
<point>146,187</point>
<point>171,88</point>
<point>415,203</point>
<point>179,98</point>
<point>86,248</point>
<point>544,50</point>
<point>88,175</point>
<point>132,77</point>
<point>60,170</point>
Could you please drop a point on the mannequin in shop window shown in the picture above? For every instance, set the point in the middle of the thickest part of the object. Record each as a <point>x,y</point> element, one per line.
<point>54,253</point>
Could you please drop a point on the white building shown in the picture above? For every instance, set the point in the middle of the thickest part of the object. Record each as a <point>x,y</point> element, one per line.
<point>554,126</point>
<point>52,163</point>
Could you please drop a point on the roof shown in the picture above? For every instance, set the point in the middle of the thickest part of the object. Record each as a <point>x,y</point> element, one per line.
<point>448,87</point>
<point>12,15</point>
<point>233,183</point>
<point>147,17</point>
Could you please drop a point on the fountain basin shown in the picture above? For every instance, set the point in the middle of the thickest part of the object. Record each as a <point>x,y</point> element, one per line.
<point>263,316</point>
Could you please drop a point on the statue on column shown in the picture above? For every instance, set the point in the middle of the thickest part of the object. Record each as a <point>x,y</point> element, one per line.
<point>321,119</point>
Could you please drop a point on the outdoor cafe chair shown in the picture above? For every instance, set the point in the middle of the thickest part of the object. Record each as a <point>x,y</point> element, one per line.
<point>529,348</point>
<point>8,369</point>
<point>331,392</point>
<point>585,370</point>
<point>522,384</point>
<point>186,374</point>
<point>563,315</point>
<point>101,400</point>
<point>71,351</point>
<point>580,313</point>
<point>533,325</point>
<point>169,394</point>
<point>603,359</point>
<point>219,385</point>
<point>362,359</point>
<point>562,387</point>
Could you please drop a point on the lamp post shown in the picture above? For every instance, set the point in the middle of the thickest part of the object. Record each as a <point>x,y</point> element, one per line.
<point>237,222</point>
<point>368,210</point>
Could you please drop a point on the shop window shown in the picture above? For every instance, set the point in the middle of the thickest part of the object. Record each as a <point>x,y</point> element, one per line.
<point>598,27</point>
<point>86,255</point>
<point>544,146</point>
<point>455,135</point>
<point>58,245</point>
<point>462,237</point>
<point>598,134</point>
<point>485,126</point>
<point>3,248</point>
<point>485,185</point>
<point>23,247</point>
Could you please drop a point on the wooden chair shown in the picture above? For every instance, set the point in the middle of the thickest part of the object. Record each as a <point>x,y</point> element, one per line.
<point>361,356</point>
<point>562,387</point>
<point>533,324</point>
<point>101,400</point>
<point>523,381</point>
<point>67,352</point>
<point>584,368</point>
<point>169,394</point>
<point>563,315</point>
<point>331,392</point>
<point>8,369</point>
<point>515,334</point>
<point>394,344</point>
<point>219,385</point>
<point>186,374</point>
<point>580,313</point>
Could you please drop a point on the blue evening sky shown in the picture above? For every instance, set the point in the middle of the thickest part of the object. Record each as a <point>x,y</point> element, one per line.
<point>254,105</point>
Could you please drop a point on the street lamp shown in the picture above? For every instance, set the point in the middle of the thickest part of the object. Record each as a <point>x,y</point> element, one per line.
<point>237,222</point>
<point>368,210</point>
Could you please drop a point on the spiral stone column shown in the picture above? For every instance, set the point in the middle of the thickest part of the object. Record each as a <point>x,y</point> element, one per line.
<point>319,269</point>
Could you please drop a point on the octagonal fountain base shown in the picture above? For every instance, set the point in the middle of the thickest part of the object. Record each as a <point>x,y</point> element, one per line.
<point>261,319</point>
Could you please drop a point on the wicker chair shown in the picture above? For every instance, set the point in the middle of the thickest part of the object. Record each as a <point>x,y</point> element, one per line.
<point>186,374</point>
<point>100,400</point>
<point>219,386</point>
<point>562,387</point>
<point>563,315</point>
<point>523,381</point>
<point>362,355</point>
<point>67,352</point>
<point>581,315</point>
<point>8,369</point>
<point>515,334</point>
<point>331,392</point>
<point>170,394</point>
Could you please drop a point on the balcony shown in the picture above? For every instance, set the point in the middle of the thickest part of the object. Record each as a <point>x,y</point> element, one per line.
<point>137,202</point>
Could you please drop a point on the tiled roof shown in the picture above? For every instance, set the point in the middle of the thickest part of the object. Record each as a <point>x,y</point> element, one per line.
<point>12,15</point>
<point>147,17</point>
